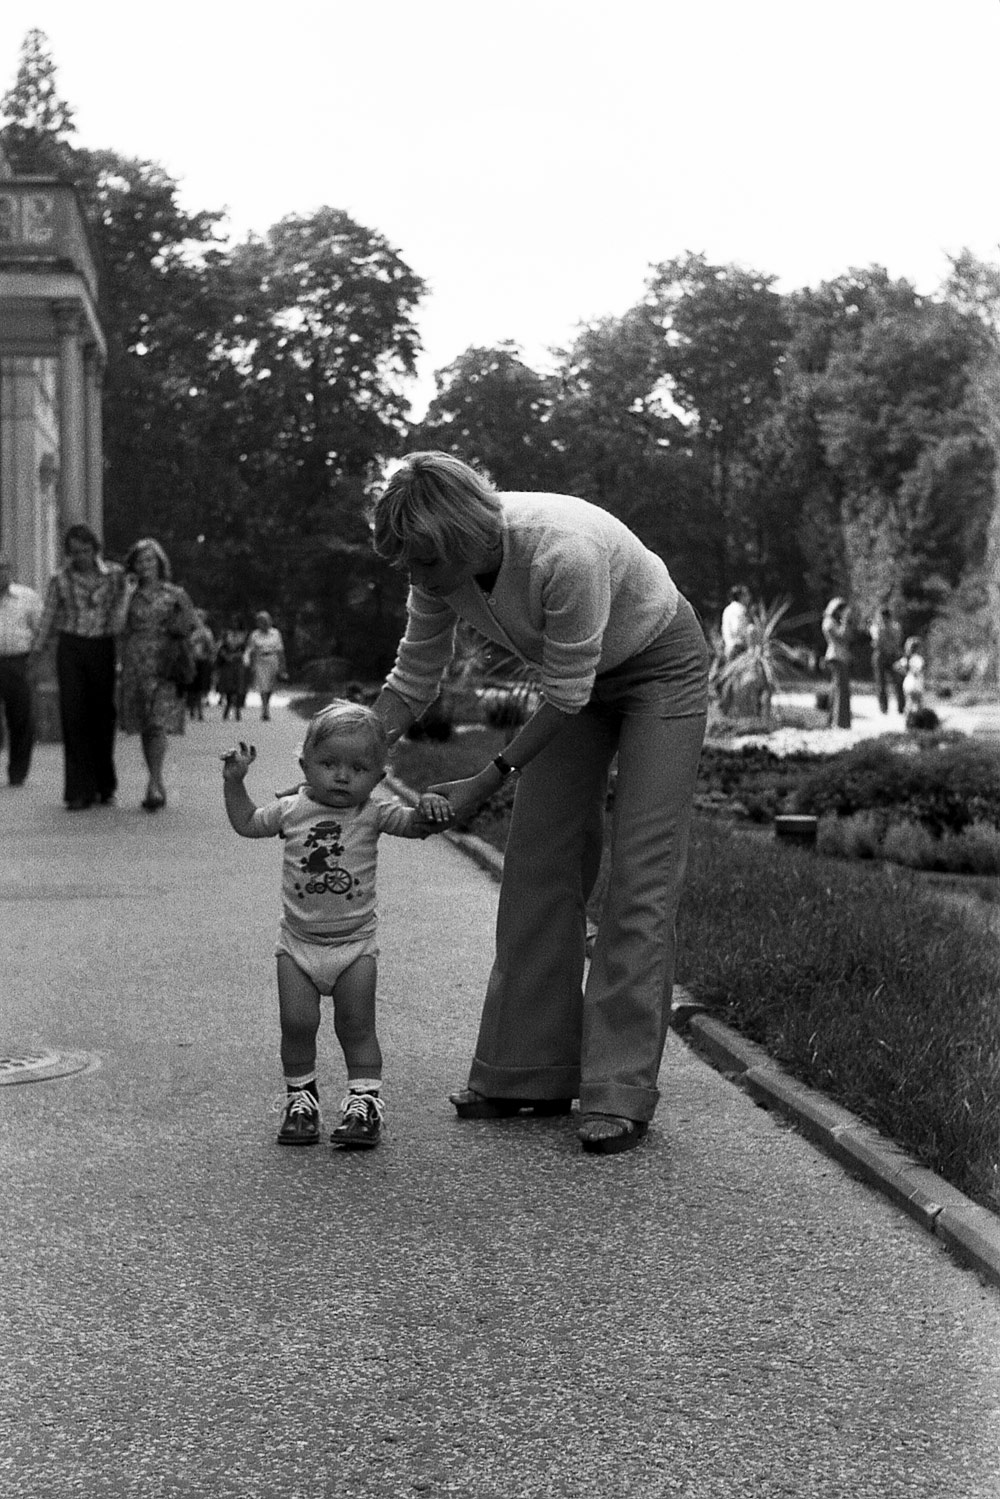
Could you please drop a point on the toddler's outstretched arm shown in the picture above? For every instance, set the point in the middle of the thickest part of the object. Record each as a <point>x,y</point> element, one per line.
<point>239,807</point>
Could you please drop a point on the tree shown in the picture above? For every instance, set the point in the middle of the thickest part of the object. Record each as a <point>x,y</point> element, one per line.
<point>322,337</point>
<point>622,448</point>
<point>163,307</point>
<point>40,123</point>
<point>723,336</point>
<point>900,430</point>
<point>493,409</point>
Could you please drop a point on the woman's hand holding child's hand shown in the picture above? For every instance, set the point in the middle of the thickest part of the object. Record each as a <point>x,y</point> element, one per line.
<point>432,808</point>
<point>236,762</point>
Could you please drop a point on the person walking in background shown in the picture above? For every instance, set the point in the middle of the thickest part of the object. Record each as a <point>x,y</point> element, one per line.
<point>158,623</point>
<point>20,617</point>
<point>836,629</point>
<point>887,646</point>
<point>203,649</point>
<point>330,828</point>
<point>265,658</point>
<point>85,608</point>
<point>230,670</point>
<point>623,663</point>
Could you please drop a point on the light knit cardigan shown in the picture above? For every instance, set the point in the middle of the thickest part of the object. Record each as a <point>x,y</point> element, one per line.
<point>576,594</point>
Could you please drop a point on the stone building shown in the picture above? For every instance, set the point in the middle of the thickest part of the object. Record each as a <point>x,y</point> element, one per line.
<point>52,353</point>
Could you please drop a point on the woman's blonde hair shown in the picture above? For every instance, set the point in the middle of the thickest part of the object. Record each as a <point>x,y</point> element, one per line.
<point>434,505</point>
<point>344,717</point>
<point>149,544</point>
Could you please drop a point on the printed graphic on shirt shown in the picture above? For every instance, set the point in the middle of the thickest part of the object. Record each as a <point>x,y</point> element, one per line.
<point>322,874</point>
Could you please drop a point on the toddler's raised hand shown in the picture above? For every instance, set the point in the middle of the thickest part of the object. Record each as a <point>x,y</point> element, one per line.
<point>236,762</point>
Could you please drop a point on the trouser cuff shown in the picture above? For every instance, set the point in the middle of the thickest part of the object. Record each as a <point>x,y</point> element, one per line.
<point>524,1082</point>
<point>618,1098</point>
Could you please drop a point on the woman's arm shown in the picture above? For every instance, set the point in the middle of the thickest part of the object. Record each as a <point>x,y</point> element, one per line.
<point>468,795</point>
<point>50,617</point>
<point>395,714</point>
<point>118,614</point>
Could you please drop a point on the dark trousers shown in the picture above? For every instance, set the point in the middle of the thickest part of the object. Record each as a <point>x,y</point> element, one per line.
<point>840,694</point>
<point>85,670</point>
<point>888,682</point>
<point>15,696</point>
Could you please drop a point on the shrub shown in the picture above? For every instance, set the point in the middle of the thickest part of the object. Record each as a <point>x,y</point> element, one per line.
<point>856,837</point>
<point>945,787</point>
<point>874,835</point>
<point>910,843</point>
<point>326,674</point>
<point>976,850</point>
<point>862,983</point>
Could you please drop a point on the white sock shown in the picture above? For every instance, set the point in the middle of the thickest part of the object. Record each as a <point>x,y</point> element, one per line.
<point>300,1082</point>
<point>364,1084</point>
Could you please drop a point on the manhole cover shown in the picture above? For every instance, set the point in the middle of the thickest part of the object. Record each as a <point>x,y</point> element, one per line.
<point>40,1066</point>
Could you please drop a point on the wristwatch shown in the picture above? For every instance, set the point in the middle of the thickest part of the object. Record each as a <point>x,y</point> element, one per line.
<point>504,767</point>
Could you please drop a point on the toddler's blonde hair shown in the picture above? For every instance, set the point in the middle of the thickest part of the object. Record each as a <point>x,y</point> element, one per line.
<point>344,717</point>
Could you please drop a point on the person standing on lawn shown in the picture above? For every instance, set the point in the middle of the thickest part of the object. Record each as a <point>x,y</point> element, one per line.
<point>836,629</point>
<point>623,666</point>
<point>887,647</point>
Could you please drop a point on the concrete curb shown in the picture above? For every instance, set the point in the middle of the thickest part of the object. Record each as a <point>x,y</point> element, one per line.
<point>970,1232</point>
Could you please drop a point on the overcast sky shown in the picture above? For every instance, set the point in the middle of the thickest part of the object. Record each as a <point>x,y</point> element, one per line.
<point>530,159</point>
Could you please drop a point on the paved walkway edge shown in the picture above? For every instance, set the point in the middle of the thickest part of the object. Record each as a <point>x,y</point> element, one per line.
<point>970,1232</point>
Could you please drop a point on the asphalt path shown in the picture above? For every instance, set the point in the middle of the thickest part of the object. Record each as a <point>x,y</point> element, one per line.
<point>473,1309</point>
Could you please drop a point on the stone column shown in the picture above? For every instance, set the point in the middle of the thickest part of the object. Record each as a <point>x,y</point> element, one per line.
<point>17,463</point>
<point>94,439</point>
<point>72,412</point>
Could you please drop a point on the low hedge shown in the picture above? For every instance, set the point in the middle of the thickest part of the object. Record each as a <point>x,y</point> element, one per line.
<point>945,788</point>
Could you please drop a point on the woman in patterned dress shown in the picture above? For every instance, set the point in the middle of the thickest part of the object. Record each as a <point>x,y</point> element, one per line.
<point>152,705</point>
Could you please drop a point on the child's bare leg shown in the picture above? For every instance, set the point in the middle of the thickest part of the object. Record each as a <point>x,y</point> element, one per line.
<point>298,1007</point>
<point>354,1022</point>
<point>299,1010</point>
<point>354,1019</point>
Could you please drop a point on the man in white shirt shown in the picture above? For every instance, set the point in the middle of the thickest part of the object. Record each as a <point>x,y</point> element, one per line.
<point>735,619</point>
<point>20,616</point>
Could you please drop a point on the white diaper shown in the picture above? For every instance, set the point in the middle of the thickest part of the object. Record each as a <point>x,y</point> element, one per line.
<point>324,962</point>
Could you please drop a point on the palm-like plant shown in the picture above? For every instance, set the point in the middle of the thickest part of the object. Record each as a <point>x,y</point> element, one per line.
<point>746,684</point>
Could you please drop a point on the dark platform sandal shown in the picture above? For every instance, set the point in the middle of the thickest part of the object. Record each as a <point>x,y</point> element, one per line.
<point>472,1105</point>
<point>625,1136</point>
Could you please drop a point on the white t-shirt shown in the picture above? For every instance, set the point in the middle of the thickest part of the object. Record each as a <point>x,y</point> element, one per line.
<point>735,619</point>
<point>330,858</point>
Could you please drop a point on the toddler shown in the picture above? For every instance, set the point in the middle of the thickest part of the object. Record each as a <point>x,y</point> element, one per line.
<point>913,666</point>
<point>330,827</point>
